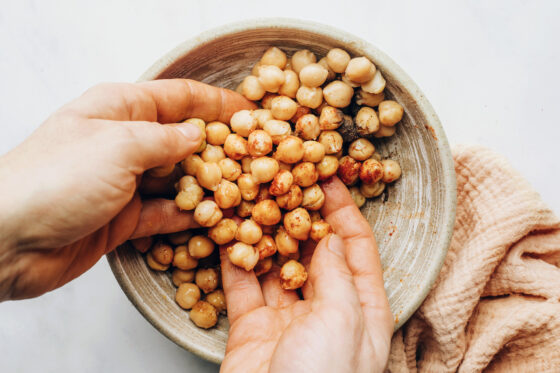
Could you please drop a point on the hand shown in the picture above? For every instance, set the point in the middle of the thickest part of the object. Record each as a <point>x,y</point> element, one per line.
<point>68,194</point>
<point>343,324</point>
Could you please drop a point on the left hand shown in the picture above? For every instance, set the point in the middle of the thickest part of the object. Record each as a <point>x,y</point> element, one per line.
<point>68,194</point>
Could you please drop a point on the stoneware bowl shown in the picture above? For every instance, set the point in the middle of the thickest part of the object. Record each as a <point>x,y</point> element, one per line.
<point>413,220</point>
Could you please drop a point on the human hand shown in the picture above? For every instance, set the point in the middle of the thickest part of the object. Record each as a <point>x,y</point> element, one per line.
<point>68,194</point>
<point>343,324</point>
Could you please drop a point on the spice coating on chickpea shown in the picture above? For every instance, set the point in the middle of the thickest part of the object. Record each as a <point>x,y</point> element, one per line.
<point>266,212</point>
<point>187,295</point>
<point>320,229</point>
<point>332,141</point>
<point>283,108</point>
<point>313,198</point>
<point>162,253</point>
<point>338,94</point>
<point>216,133</point>
<point>366,121</point>
<point>302,58</point>
<point>259,143</point>
<point>274,56</point>
<point>292,275</point>
<point>154,264</point>
<point>313,151</point>
<point>223,232</point>
<point>180,276</point>
<point>391,171</point>
<point>327,167</point>
<point>227,195</point>
<point>281,183</point>
<point>298,223</point>
<point>290,150</point>
<point>361,149</point>
<point>357,196</point>
<point>236,147</point>
<point>248,187</point>
<point>249,232</point>
<point>207,279</point>
<point>263,266</point>
<point>266,247</point>
<point>291,84</point>
<point>252,89</point>
<point>182,259</point>
<point>207,214</point>
<point>348,170</point>
<point>278,130</point>
<point>331,118</point>
<point>313,75</point>
<point>290,200</point>
<point>390,112</point>
<point>371,171</point>
<point>372,190</point>
<point>230,169</point>
<point>338,60</point>
<point>217,299</point>
<point>307,127</point>
<point>263,169</point>
<point>243,255</point>
<point>310,97</point>
<point>305,174</point>
<point>285,244</point>
<point>204,315</point>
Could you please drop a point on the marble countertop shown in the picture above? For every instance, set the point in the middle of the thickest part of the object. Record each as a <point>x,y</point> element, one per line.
<point>490,69</point>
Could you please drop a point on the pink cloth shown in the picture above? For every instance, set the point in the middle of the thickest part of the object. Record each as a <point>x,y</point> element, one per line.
<point>495,305</point>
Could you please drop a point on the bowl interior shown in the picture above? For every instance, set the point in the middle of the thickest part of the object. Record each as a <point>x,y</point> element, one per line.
<point>412,219</point>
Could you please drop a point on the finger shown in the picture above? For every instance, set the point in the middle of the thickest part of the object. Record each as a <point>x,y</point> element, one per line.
<point>159,186</point>
<point>308,248</point>
<point>274,295</point>
<point>241,288</point>
<point>161,216</point>
<point>362,255</point>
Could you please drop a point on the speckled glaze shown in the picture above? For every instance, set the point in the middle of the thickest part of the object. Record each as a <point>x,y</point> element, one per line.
<point>413,219</point>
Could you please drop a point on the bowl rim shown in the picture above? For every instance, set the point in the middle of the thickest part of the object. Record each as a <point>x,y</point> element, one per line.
<point>448,167</point>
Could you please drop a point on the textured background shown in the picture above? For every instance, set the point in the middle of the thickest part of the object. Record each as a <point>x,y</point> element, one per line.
<point>489,69</point>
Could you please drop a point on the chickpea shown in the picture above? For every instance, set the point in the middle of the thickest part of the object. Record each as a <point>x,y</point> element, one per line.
<point>230,169</point>
<point>191,164</point>
<point>283,259</point>
<point>269,229</point>
<point>243,122</point>
<point>298,223</point>
<point>187,295</point>
<point>223,232</point>
<point>310,97</point>
<point>315,216</point>
<point>357,196</point>
<point>385,131</point>
<point>313,198</point>
<point>252,89</point>
<point>189,196</point>
<point>347,80</point>
<point>307,127</point>
<point>185,182</point>
<point>209,175</point>
<point>180,276</point>
<point>263,193</point>
<point>292,275</point>
<point>262,116</point>
<point>203,315</point>
<point>161,171</point>
<point>391,171</point>
<point>263,266</point>
<point>266,212</point>
<point>366,121</point>
<point>281,183</point>
<point>390,112</point>
<point>162,253</point>
<point>271,78</point>
<point>375,85</point>
<point>239,88</point>
<point>283,108</point>
<point>285,166</point>
<point>369,99</point>
<point>291,84</point>
<point>207,214</point>
<point>302,58</point>
<point>338,94</point>
<point>266,101</point>
<point>292,199</point>
<point>274,56</point>
<point>327,167</point>
<point>331,118</point>
<point>249,232</point>
<point>200,247</point>
<point>154,264</point>
<point>305,174</point>
<point>248,187</point>
<point>217,299</point>
<point>300,112</point>
<point>290,150</point>
<point>372,190</point>
<point>202,127</point>
<point>371,171</point>
<point>227,195</point>
<point>266,247</point>
<point>360,70</point>
<point>361,149</point>
<point>313,151</point>
<point>263,169</point>
<point>285,244</point>
<point>179,238</point>
<point>278,130</point>
<point>259,143</point>
<point>376,156</point>
<point>246,165</point>
<point>330,73</point>
<point>244,209</point>
<point>236,147</point>
<point>255,69</point>
<point>338,59</point>
<point>243,255</point>
<point>313,75</point>
<point>183,260</point>
<point>207,279</point>
<point>319,229</point>
<point>332,141</point>
<point>348,170</point>
<point>212,153</point>
<point>216,133</point>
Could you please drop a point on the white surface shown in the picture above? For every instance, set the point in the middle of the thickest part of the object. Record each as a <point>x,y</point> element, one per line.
<point>490,70</point>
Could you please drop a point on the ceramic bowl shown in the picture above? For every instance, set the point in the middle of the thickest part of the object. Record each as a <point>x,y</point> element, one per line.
<point>412,221</point>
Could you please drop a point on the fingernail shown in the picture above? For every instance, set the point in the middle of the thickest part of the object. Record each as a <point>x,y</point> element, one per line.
<point>336,245</point>
<point>190,131</point>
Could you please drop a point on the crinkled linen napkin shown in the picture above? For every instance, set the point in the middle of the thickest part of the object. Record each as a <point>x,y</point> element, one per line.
<point>495,306</point>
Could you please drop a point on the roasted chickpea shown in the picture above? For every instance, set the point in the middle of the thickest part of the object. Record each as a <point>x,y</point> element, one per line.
<point>305,174</point>
<point>338,94</point>
<point>372,190</point>
<point>239,88</point>
<point>332,141</point>
<point>223,232</point>
<point>274,56</point>
<point>227,195</point>
<point>307,127</point>
<point>290,200</point>
<point>319,229</point>
<point>348,81</point>
<point>243,122</point>
<point>266,212</point>
<point>262,115</point>
<point>313,198</point>
<point>263,266</point>
<point>292,275</point>
<point>252,89</point>
<point>302,58</point>
<point>243,255</point>
<point>385,131</point>
<point>187,295</point>
<point>255,69</point>
<point>283,107</point>
<point>266,247</point>
<point>327,167</point>
<point>236,147</point>
<point>207,214</point>
<point>162,253</point>
<point>290,150</point>
<point>266,101</point>
<point>154,264</point>
<point>357,196</point>
<point>263,169</point>
<point>348,170</point>
<point>182,259</point>
<point>298,223</point>
<point>369,99</point>
<point>361,149</point>
<point>375,85</point>
<point>310,97</point>
<point>185,182</point>
<point>315,216</point>
<point>216,133</point>
<point>248,187</point>
<point>291,84</point>
<point>285,244</point>
<point>366,121</point>
<point>161,171</point>
<point>313,151</point>
<point>189,196</point>
<point>360,70</point>
<point>191,164</point>
<point>249,232</point>
<point>207,279</point>
<point>278,130</point>
<point>246,165</point>
<point>371,171</point>
<point>200,247</point>
<point>230,169</point>
<point>330,73</point>
<point>281,183</point>
<point>202,127</point>
<point>390,112</point>
<point>338,59</point>
<point>203,315</point>
<point>271,77</point>
<point>376,156</point>
<point>217,299</point>
<point>283,259</point>
<point>178,276</point>
<point>212,153</point>
<point>244,209</point>
<point>331,118</point>
<point>259,143</point>
<point>285,166</point>
<point>209,175</point>
<point>300,112</point>
<point>179,238</point>
<point>313,75</point>
<point>263,193</point>
<point>269,229</point>
<point>391,171</point>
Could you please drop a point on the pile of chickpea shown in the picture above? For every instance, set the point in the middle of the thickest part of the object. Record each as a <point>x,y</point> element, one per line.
<point>253,182</point>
